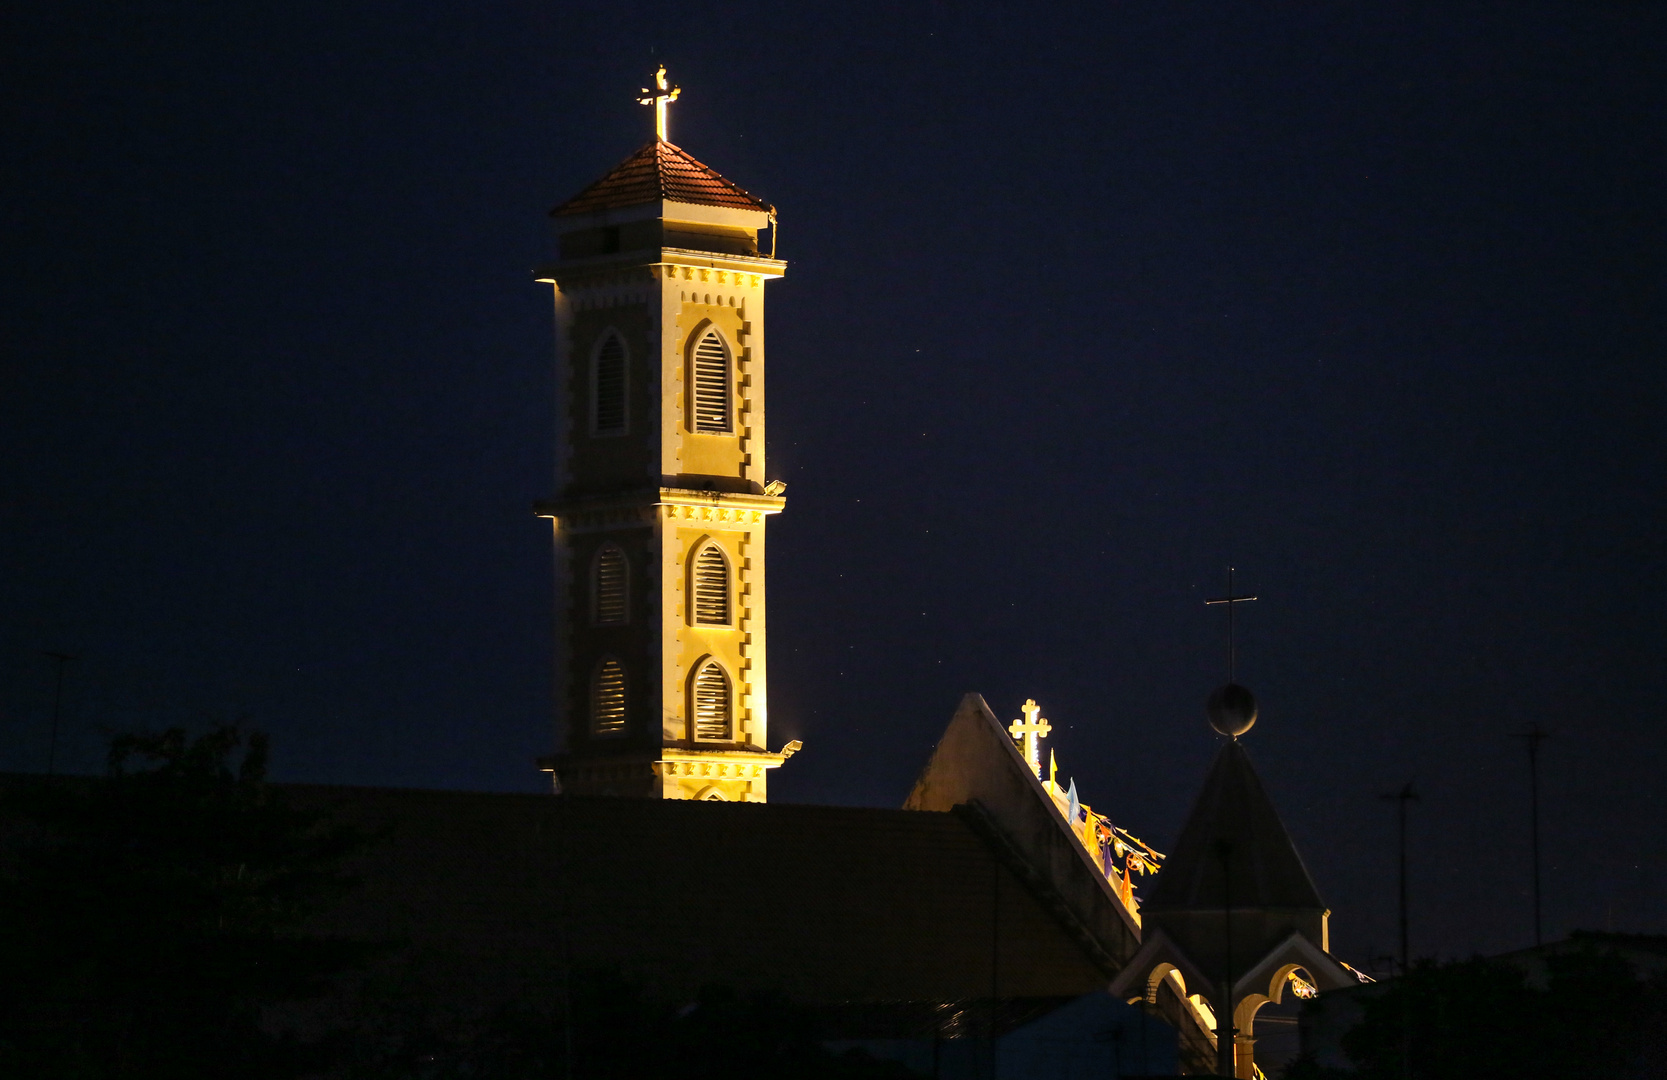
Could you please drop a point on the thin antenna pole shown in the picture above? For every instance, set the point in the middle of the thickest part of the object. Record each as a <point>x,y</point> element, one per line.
<point>1534,736</point>
<point>564,891</point>
<point>995,959</point>
<point>57,706</point>
<point>1404,796</point>
<point>1226,1032</point>
<point>1534,829</point>
<point>1406,793</point>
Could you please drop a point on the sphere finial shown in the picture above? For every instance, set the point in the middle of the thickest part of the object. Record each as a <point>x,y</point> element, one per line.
<point>1231,709</point>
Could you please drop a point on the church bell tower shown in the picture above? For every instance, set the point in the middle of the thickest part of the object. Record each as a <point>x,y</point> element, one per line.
<point>661,497</point>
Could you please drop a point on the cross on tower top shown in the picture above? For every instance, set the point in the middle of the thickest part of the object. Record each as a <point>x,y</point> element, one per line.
<point>1230,600</point>
<point>659,96</point>
<point>1030,731</point>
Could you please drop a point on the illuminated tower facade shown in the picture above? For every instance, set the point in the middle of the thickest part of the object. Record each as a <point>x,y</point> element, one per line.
<point>662,498</point>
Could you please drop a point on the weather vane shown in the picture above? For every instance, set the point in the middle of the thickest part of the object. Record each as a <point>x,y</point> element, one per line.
<point>1231,708</point>
<point>659,96</point>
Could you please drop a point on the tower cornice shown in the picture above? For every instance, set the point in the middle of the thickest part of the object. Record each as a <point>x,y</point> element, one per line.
<point>639,505</point>
<point>666,263</point>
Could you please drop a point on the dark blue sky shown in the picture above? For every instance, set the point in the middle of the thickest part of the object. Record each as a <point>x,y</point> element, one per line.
<point>1083,305</point>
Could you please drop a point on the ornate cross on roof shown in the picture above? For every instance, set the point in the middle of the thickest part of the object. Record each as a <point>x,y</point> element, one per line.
<point>1030,731</point>
<point>660,96</point>
<point>1230,600</point>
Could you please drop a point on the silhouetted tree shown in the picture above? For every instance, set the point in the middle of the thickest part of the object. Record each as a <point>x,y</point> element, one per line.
<point>1594,1017</point>
<point>152,925</point>
<point>761,1036</point>
<point>149,919</point>
<point>618,1033</point>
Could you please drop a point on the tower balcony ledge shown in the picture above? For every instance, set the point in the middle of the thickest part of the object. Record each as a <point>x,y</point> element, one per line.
<point>734,500</point>
<point>748,757</point>
<point>638,498</point>
<point>729,755</point>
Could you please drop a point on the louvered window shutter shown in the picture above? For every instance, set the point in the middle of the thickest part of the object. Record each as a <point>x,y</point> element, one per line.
<point>711,704</point>
<point>711,385</point>
<point>711,587</point>
<point>607,698</point>
<point>612,586</point>
<point>608,415</point>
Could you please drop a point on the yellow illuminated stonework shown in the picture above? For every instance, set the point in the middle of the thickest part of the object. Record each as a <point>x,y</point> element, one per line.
<point>666,272</point>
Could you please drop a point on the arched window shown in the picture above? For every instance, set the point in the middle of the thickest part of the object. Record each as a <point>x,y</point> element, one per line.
<point>607,698</point>
<point>611,586</point>
<point>709,587</point>
<point>709,379</point>
<point>709,700</point>
<point>607,393</point>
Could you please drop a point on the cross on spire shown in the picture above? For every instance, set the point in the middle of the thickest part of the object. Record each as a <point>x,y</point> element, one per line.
<point>1030,731</point>
<point>659,96</point>
<point>1230,600</point>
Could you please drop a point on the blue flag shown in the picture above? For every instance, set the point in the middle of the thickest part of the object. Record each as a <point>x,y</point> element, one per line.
<point>1073,813</point>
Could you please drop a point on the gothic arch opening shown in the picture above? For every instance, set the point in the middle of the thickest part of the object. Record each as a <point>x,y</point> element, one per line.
<point>711,702</point>
<point>710,408</point>
<point>1156,978</point>
<point>610,591</point>
<point>709,591</point>
<point>607,697</point>
<point>608,413</point>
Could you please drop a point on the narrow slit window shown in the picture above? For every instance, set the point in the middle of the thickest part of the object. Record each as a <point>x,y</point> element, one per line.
<point>612,586</point>
<point>711,701</point>
<point>711,385</point>
<point>608,405</point>
<point>607,698</point>
<point>711,587</point>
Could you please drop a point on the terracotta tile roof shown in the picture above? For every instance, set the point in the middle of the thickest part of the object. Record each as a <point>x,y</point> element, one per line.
<point>659,171</point>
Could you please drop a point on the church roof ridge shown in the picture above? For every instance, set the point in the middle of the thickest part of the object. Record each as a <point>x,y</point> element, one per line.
<point>1267,871</point>
<point>660,170</point>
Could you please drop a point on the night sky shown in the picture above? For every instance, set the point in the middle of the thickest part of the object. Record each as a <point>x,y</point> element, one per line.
<point>1083,306</point>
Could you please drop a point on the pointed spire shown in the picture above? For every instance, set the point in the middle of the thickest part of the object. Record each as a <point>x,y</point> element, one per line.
<point>1233,807</point>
